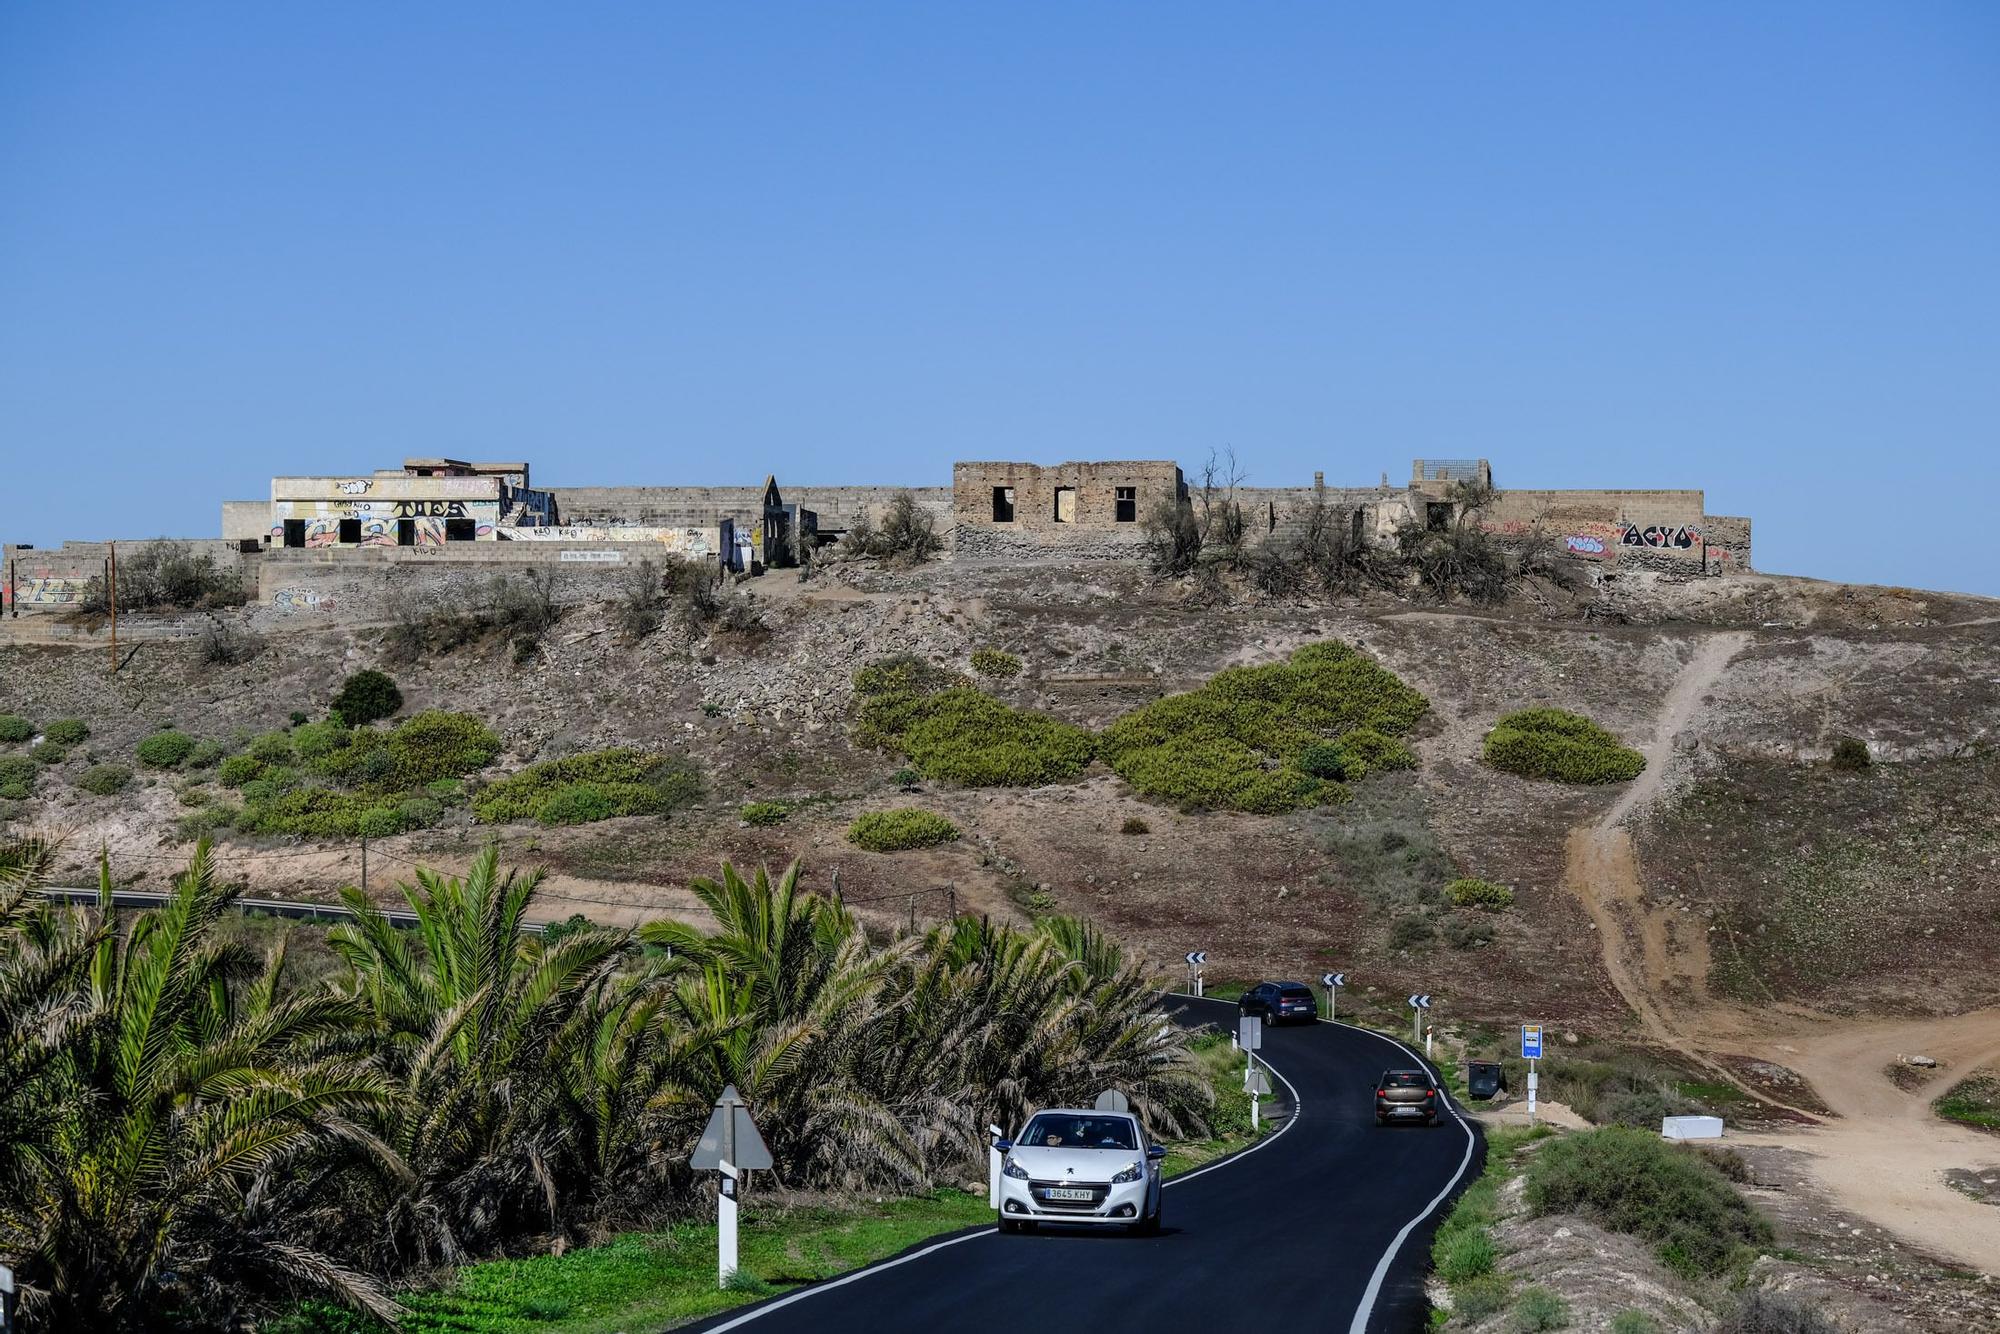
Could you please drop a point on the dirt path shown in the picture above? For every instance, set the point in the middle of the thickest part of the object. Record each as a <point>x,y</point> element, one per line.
<point>1883,1155</point>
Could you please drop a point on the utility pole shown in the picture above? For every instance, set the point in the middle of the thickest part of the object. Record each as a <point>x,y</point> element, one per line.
<point>364,864</point>
<point>111,595</point>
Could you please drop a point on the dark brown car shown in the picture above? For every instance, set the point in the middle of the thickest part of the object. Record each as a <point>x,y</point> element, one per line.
<point>1406,1095</point>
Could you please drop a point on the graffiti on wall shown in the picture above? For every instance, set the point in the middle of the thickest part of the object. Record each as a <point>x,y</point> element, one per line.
<point>359,486</point>
<point>430,509</point>
<point>1583,544</point>
<point>685,541</point>
<point>47,591</point>
<point>300,599</point>
<point>380,521</point>
<point>1660,537</point>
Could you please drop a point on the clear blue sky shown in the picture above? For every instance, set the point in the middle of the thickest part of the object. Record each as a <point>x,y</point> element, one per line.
<point>1751,248</point>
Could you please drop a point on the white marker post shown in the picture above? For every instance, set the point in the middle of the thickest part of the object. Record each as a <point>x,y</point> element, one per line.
<point>1250,1037</point>
<point>725,1227</point>
<point>993,1161</point>
<point>1531,1052</point>
<point>6,1299</point>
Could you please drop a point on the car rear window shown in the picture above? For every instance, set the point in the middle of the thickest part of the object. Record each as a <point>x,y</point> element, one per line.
<point>1053,1131</point>
<point>1294,993</point>
<point>1405,1079</point>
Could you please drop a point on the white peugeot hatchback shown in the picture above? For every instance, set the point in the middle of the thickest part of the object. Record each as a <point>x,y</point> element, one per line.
<point>1073,1166</point>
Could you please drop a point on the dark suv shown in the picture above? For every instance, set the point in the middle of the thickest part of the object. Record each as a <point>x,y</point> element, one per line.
<point>1406,1095</point>
<point>1281,1002</point>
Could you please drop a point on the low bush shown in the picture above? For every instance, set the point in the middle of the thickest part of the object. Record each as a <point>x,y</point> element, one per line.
<point>1134,825</point>
<point>207,754</point>
<point>598,785</point>
<point>165,750</point>
<point>907,532</point>
<point>1462,1254</point>
<point>1634,1321</point>
<point>1411,931</point>
<point>366,697</point>
<point>640,607</point>
<point>1563,746</point>
<point>14,729</point>
<point>317,740</point>
<point>1467,933</point>
<point>67,732</point>
<point>1482,1297</point>
<point>104,779</point>
<point>238,770</point>
<point>897,830</point>
<point>1759,1311</point>
<point>993,662</point>
<point>764,813</point>
<point>271,748</point>
<point>1629,1181</point>
<point>17,777</point>
<point>1851,753</point>
<point>1537,1309</point>
<point>205,821</point>
<point>1242,741</point>
<point>47,752</point>
<point>957,734</point>
<point>1467,892</point>
<point>317,812</point>
<point>429,745</point>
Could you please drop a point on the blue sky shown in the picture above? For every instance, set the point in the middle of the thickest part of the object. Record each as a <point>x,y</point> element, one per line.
<point>1754,249</point>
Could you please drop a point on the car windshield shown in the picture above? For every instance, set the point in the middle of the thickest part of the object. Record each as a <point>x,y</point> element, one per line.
<point>1071,1131</point>
<point>1404,1079</point>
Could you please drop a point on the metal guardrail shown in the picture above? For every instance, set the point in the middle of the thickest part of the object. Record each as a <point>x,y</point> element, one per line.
<point>292,908</point>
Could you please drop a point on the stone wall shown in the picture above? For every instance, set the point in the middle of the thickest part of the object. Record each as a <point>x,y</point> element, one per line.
<point>708,506</point>
<point>351,585</point>
<point>1067,505</point>
<point>37,579</point>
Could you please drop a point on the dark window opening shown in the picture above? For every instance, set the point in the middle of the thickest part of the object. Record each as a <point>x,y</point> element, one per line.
<point>1128,504</point>
<point>460,530</point>
<point>295,532</point>
<point>1065,504</point>
<point>250,543</point>
<point>1437,515</point>
<point>406,532</point>
<point>1003,504</point>
<point>350,531</point>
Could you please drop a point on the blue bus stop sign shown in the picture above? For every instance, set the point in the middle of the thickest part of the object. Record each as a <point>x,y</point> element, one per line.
<point>1531,1042</point>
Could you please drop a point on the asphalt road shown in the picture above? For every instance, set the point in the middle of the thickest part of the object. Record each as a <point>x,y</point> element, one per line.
<point>1323,1225</point>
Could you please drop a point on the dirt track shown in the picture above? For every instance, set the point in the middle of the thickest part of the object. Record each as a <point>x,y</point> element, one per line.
<point>1883,1155</point>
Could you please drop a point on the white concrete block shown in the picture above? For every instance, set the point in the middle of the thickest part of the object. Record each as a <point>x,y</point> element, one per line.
<point>1691,1127</point>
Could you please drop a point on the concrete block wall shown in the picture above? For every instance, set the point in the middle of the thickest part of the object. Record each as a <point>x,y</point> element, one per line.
<point>1089,523</point>
<point>361,585</point>
<point>708,506</point>
<point>53,579</point>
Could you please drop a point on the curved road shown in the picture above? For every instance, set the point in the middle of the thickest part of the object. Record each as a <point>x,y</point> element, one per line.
<point>1323,1225</point>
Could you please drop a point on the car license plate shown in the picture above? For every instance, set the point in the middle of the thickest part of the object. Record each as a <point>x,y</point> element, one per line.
<point>1066,1193</point>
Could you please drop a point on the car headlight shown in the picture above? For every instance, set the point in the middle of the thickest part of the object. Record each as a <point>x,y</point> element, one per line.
<point>1014,1170</point>
<point>1131,1172</point>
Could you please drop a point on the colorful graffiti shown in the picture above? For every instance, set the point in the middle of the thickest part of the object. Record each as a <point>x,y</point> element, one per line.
<point>1582,544</point>
<point>1660,537</point>
<point>47,591</point>
<point>300,599</point>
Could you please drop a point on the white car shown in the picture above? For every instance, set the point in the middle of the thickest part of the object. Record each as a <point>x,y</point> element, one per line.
<point>1071,1166</point>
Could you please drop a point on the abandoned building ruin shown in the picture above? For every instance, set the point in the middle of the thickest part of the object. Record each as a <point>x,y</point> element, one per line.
<point>322,541</point>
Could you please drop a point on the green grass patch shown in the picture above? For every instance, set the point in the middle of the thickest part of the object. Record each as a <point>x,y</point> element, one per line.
<point>955,734</point>
<point>1556,744</point>
<point>1467,892</point>
<point>1973,1102</point>
<point>1462,1251</point>
<point>599,785</point>
<point>1629,1180</point>
<point>901,829</point>
<point>1242,741</point>
<point>763,814</point>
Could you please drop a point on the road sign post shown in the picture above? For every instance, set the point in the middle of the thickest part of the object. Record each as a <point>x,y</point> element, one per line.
<point>1418,1004</point>
<point>1334,982</point>
<point>1531,1052</point>
<point>730,1144</point>
<point>6,1300</point>
<point>1256,1083</point>
<point>993,1161</point>
<point>1195,959</point>
<point>1249,1037</point>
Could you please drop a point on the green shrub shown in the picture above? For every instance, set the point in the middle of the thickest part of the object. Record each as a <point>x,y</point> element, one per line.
<point>764,813</point>
<point>67,732</point>
<point>309,812</point>
<point>165,750</point>
<point>894,831</point>
<point>14,729</point>
<point>1538,1309</point>
<point>1554,744</point>
<point>956,734</point>
<point>1634,1321</point>
<point>1628,1180</point>
<point>992,662</point>
<point>207,754</point>
<point>1480,1298</point>
<point>17,777</point>
<point>299,717</point>
<point>1467,892</point>
<point>1243,740</point>
<point>1463,1253</point>
<point>316,740</point>
<point>419,812</point>
<point>379,822</point>
<point>1134,825</point>
<point>1467,933</point>
<point>1366,750</point>
<point>1851,753</point>
<point>238,770</point>
<point>104,779</point>
<point>47,752</point>
<point>366,696</point>
<point>272,748</point>
<point>594,786</point>
<point>1759,1311</point>
<point>1411,931</point>
<point>205,821</point>
<point>428,746</point>
<point>194,794</point>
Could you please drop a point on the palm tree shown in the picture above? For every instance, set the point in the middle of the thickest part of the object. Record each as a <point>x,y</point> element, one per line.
<point>171,1108</point>
<point>488,1030</point>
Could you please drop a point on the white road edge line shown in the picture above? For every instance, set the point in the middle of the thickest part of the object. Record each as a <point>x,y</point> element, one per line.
<point>757,1312</point>
<point>1367,1307</point>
